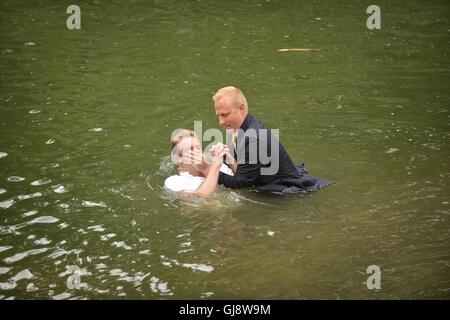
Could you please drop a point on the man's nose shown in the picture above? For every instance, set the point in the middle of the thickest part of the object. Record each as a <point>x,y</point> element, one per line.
<point>221,121</point>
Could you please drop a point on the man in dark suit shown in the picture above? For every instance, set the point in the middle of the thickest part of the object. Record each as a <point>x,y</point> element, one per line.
<point>262,161</point>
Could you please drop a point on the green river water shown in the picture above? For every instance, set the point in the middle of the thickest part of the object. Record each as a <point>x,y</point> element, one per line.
<point>85,122</point>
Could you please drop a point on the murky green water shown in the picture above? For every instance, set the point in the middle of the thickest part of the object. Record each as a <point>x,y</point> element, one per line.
<point>86,116</point>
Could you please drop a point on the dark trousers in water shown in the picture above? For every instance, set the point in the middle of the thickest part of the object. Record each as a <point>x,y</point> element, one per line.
<point>293,185</point>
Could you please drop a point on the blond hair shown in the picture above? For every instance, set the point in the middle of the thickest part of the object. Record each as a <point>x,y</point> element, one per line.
<point>179,135</point>
<point>235,94</point>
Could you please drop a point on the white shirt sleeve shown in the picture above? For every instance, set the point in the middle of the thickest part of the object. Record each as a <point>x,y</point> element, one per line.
<point>226,169</point>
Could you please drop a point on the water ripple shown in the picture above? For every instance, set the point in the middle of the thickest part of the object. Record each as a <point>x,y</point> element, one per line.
<point>44,219</point>
<point>97,228</point>
<point>121,244</point>
<point>59,188</point>
<point>12,283</point>
<point>193,266</point>
<point>107,236</point>
<point>4,270</point>
<point>40,182</point>
<point>96,130</point>
<point>14,228</point>
<point>91,204</point>
<point>29,213</point>
<point>9,202</point>
<point>60,252</point>
<point>22,255</point>
<point>15,179</point>
<point>159,287</point>
<point>4,248</point>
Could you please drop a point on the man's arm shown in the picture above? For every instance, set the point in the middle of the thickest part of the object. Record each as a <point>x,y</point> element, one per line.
<point>246,173</point>
<point>244,178</point>
<point>229,160</point>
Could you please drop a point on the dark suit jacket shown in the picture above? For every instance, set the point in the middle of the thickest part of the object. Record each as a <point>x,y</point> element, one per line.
<point>287,179</point>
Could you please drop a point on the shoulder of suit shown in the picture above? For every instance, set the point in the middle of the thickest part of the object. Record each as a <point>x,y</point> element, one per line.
<point>256,123</point>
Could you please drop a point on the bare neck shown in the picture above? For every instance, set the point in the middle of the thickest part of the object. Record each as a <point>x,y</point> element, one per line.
<point>191,170</point>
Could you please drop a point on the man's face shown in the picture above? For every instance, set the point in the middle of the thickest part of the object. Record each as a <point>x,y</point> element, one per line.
<point>230,116</point>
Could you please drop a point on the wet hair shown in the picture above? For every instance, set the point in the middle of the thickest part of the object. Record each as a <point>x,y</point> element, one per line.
<point>176,138</point>
<point>178,135</point>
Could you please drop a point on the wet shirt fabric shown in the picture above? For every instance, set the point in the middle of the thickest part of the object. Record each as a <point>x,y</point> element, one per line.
<point>186,181</point>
